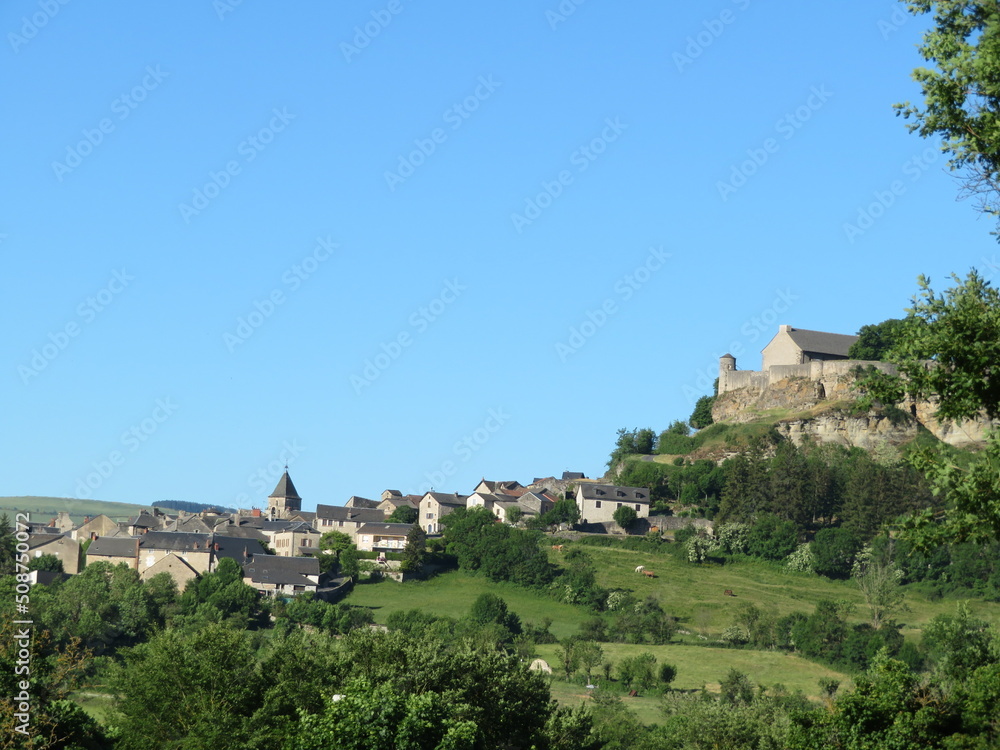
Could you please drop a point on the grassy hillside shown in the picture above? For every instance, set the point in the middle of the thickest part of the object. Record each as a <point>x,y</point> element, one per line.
<point>695,594</point>
<point>43,509</point>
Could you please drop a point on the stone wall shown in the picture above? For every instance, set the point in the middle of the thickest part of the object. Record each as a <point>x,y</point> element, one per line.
<point>827,373</point>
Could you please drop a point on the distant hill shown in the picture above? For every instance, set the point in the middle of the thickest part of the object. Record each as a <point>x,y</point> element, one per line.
<point>43,509</point>
<point>191,507</point>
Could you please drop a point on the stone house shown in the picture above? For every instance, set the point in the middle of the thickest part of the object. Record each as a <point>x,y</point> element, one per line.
<point>383,537</point>
<point>99,525</point>
<point>114,550</point>
<point>434,506</point>
<point>201,551</point>
<point>344,519</point>
<point>295,540</point>
<point>273,576</point>
<point>598,502</point>
<point>58,545</point>
<point>176,566</point>
<point>393,499</point>
<point>510,487</point>
<point>797,346</point>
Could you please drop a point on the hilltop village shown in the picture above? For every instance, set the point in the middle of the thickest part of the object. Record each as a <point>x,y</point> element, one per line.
<point>278,546</point>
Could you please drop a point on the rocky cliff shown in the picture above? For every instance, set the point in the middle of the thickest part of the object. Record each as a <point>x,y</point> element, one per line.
<point>826,411</point>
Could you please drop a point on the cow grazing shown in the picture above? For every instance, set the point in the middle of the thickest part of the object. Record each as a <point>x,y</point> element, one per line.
<point>729,592</point>
<point>557,546</point>
<point>640,568</point>
<point>649,574</point>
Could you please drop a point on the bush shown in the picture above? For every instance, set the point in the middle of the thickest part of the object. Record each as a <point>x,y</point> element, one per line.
<point>771,538</point>
<point>834,550</point>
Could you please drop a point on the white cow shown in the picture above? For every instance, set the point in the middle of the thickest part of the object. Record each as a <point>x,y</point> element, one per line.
<point>640,568</point>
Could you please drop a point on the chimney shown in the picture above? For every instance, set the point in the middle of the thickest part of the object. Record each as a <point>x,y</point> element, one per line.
<point>784,329</point>
<point>216,546</point>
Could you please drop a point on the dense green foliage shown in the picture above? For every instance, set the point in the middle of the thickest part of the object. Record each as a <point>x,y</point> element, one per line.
<point>961,92</point>
<point>875,342</point>
<point>403,514</point>
<point>484,545</point>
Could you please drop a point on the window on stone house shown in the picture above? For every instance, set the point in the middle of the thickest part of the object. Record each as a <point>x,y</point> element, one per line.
<point>619,505</point>
<point>597,503</point>
<point>637,507</point>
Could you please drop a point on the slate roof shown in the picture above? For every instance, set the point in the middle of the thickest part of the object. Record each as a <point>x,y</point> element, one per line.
<point>501,486</point>
<point>570,475</point>
<point>146,521</point>
<point>285,488</point>
<point>454,499</point>
<point>343,513</point>
<point>361,502</point>
<point>386,529</point>
<point>175,541</point>
<point>286,571</point>
<point>819,342</point>
<point>36,539</point>
<point>118,546</point>
<point>615,493</point>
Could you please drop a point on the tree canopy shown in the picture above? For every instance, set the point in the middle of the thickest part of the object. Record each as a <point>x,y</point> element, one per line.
<point>961,91</point>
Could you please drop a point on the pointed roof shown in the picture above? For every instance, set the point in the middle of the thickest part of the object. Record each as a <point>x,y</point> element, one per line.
<point>285,487</point>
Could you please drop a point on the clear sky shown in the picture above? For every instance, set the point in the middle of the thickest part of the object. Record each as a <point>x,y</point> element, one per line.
<point>401,244</point>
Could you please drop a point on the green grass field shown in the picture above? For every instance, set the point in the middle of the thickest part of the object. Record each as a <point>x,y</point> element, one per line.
<point>43,509</point>
<point>452,594</point>
<point>699,667</point>
<point>694,594</point>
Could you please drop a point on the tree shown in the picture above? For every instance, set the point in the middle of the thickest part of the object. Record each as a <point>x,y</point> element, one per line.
<point>491,609</point>
<point>350,564</point>
<point>637,672</point>
<point>50,563</point>
<point>404,514</point>
<point>962,93</point>
<point>736,688</point>
<point>7,545</point>
<point>668,673</point>
<point>414,551</point>
<point>625,516</point>
<point>701,417</point>
<point>834,549</point>
<point>959,332</point>
<point>590,656</point>
<point>772,538</point>
<point>879,582</point>
<point>875,342</point>
<point>513,514</point>
<point>335,541</point>
<point>196,690</point>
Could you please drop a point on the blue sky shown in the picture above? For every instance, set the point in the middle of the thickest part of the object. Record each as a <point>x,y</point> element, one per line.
<point>402,244</point>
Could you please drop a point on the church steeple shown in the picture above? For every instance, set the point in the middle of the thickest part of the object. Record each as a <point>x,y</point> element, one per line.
<point>285,499</point>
